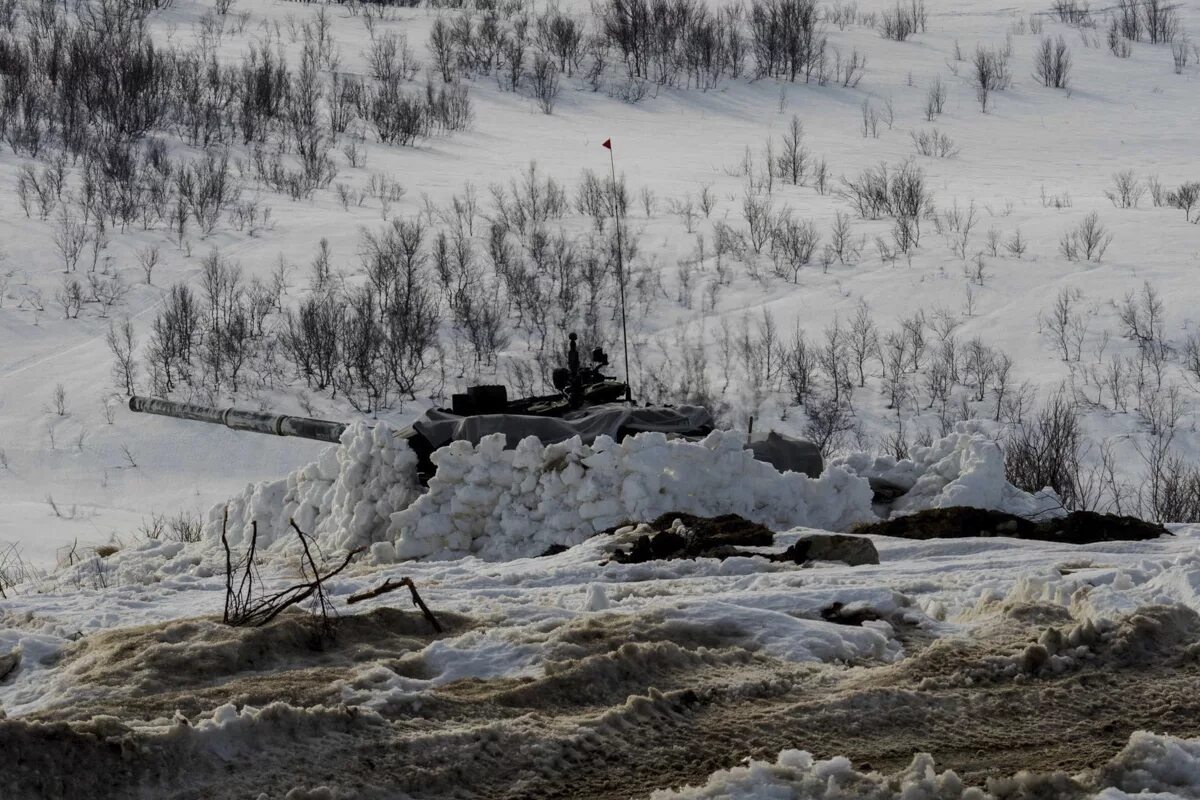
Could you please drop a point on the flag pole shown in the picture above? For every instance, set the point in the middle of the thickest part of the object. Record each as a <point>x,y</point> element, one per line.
<point>620,263</point>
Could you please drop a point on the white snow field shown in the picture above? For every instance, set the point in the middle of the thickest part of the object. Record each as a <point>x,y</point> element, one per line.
<point>989,667</point>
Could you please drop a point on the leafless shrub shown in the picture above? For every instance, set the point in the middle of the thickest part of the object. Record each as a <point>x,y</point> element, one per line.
<point>849,71</point>
<point>1087,241</point>
<point>148,260</point>
<point>820,176</point>
<point>1052,63</point>
<point>1126,190</point>
<point>792,162</point>
<point>1067,324</point>
<point>69,237</point>
<point>1062,200</point>
<point>14,571</point>
<point>957,223</point>
<point>1181,51</point>
<point>1072,12</point>
<point>761,220</point>
<point>70,298</point>
<point>248,603</point>
<point>1118,45</point>
<point>828,423</point>
<point>544,83</point>
<point>841,14</point>
<point>183,527</point>
<point>1161,20</point>
<point>1142,317</point>
<point>900,22</point>
<point>992,241</point>
<point>933,143</point>
<point>870,119</point>
<point>58,400</point>
<point>648,200</point>
<point>901,193</point>
<point>842,241</point>
<point>991,74</point>
<point>1016,245</point>
<point>1185,198</point>
<point>935,99</point>
<point>793,243</point>
<point>1158,192</point>
<point>789,50</point>
<point>1048,451</point>
<point>121,345</point>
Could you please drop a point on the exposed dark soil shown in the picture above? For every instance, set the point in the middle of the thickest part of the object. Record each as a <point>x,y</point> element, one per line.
<point>638,706</point>
<point>1078,527</point>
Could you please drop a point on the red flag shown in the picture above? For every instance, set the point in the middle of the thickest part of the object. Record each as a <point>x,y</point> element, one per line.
<point>607,144</point>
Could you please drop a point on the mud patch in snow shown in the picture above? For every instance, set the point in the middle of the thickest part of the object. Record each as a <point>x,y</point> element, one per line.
<point>192,665</point>
<point>625,704</point>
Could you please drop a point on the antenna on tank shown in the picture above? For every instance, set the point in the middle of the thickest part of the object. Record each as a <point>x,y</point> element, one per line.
<point>620,263</point>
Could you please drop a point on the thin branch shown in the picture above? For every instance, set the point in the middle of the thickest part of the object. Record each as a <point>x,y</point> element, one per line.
<point>388,586</point>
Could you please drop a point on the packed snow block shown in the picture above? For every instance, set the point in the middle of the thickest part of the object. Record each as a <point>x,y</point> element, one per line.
<point>345,498</point>
<point>853,551</point>
<point>965,468</point>
<point>497,504</point>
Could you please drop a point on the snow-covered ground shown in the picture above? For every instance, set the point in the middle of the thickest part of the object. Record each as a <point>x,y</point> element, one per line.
<point>563,674</point>
<point>571,673</point>
<point>553,667</point>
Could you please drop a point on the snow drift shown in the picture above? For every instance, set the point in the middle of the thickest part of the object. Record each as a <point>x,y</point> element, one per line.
<point>496,504</point>
<point>965,468</point>
<point>1151,765</point>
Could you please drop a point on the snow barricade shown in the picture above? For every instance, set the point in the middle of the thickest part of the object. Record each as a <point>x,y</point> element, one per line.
<point>345,498</point>
<point>500,504</point>
<point>965,468</point>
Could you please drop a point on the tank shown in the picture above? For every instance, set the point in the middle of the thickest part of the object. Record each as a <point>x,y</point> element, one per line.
<point>587,404</point>
<point>578,387</point>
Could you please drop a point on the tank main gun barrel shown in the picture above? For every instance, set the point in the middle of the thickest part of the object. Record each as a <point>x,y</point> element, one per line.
<point>321,430</point>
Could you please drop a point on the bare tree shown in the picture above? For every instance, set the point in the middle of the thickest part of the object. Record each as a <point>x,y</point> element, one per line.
<point>863,340</point>
<point>1087,241</point>
<point>1185,198</point>
<point>148,260</point>
<point>792,162</point>
<point>799,365</point>
<point>544,83</point>
<point>1048,451</point>
<point>70,298</point>
<point>1126,190</point>
<point>1052,63</point>
<point>121,344</point>
<point>69,236</point>
<point>1066,324</point>
<point>935,100</point>
<point>990,74</point>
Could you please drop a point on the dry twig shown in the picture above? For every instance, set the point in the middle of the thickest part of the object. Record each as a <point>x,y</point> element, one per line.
<point>388,586</point>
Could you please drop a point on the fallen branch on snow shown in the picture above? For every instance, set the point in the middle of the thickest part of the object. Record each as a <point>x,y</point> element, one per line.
<point>390,586</point>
